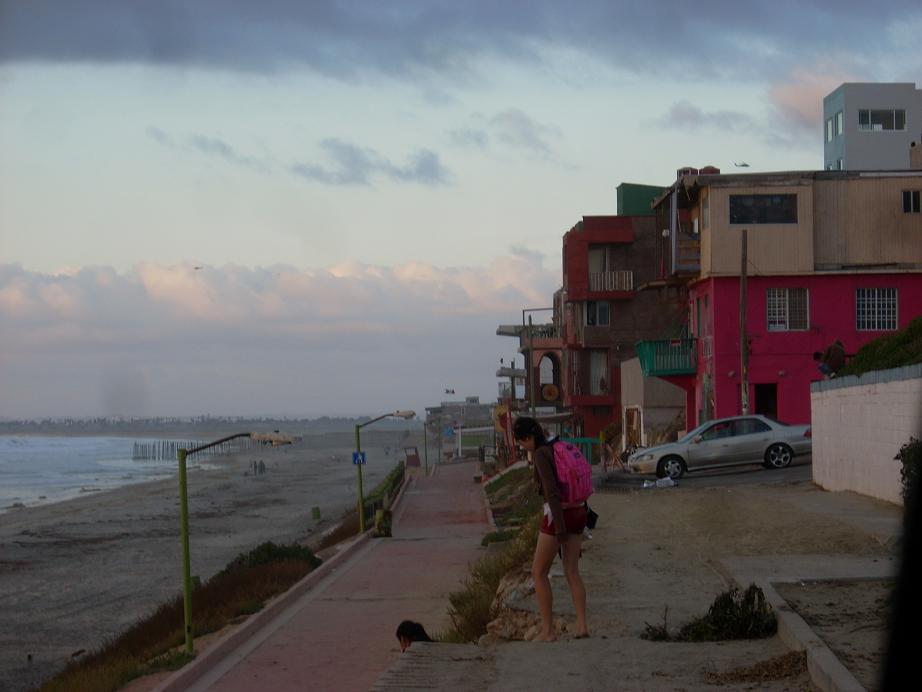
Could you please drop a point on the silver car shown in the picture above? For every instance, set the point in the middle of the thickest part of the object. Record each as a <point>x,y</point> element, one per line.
<point>726,442</point>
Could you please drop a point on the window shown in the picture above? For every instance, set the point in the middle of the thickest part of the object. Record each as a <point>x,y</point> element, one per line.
<point>839,165</point>
<point>763,208</point>
<point>749,426</point>
<point>597,313</point>
<point>718,430</point>
<point>787,309</point>
<point>706,212</point>
<point>882,120</point>
<point>875,309</point>
<point>839,123</point>
<point>911,201</point>
<point>828,130</point>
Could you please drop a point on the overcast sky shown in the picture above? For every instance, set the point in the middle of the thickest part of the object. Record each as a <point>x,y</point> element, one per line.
<point>308,208</point>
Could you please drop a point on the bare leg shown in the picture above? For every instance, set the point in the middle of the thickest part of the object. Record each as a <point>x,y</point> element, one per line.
<point>577,589</point>
<point>544,557</point>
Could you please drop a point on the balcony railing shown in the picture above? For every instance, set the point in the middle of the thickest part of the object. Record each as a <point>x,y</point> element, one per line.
<point>611,281</point>
<point>667,357</point>
<point>542,331</point>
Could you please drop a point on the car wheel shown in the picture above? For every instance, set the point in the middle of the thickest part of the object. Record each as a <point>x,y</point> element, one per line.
<point>778,456</point>
<point>674,467</point>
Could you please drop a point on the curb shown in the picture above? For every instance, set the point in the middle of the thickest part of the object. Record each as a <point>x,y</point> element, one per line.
<point>186,676</point>
<point>826,671</point>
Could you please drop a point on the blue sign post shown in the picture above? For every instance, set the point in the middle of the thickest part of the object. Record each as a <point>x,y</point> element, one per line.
<point>358,458</point>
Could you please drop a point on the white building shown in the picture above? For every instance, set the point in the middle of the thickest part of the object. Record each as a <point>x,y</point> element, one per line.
<point>870,126</point>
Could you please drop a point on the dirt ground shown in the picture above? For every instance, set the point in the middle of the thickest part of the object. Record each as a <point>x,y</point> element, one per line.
<point>656,555</point>
<point>850,616</point>
<point>75,573</point>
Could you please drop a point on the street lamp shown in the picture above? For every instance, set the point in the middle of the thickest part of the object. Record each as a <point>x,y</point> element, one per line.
<point>359,458</point>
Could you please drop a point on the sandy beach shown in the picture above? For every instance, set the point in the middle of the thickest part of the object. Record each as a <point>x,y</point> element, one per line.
<point>75,573</point>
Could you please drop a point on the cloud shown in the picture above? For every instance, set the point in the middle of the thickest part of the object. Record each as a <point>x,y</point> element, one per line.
<point>206,145</point>
<point>513,129</point>
<point>689,117</point>
<point>798,97</point>
<point>218,148</point>
<point>354,165</point>
<point>351,164</point>
<point>427,42</point>
<point>175,339</point>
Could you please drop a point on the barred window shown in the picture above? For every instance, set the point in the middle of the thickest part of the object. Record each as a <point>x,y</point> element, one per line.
<point>875,309</point>
<point>788,309</point>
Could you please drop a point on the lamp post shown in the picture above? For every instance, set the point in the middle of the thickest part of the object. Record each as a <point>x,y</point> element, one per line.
<point>184,533</point>
<point>358,458</point>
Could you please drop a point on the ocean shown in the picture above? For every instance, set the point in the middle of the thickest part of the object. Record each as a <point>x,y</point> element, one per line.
<point>37,470</point>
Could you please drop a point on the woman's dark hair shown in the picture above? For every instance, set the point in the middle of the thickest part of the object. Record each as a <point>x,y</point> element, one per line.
<point>412,631</point>
<point>529,427</point>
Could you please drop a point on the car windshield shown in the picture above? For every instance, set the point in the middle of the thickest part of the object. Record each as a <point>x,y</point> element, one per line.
<point>694,431</point>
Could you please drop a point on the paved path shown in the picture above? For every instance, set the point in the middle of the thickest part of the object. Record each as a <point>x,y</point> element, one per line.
<point>340,635</point>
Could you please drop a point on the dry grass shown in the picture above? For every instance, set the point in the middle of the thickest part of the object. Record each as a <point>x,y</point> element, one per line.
<point>787,665</point>
<point>241,588</point>
<point>471,607</point>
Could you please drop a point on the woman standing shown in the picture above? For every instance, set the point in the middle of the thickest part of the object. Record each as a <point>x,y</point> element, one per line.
<point>561,529</point>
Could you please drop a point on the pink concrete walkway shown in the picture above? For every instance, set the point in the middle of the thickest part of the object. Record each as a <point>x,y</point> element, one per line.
<point>340,635</point>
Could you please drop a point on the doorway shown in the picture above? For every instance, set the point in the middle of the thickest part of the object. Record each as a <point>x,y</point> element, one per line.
<point>767,399</point>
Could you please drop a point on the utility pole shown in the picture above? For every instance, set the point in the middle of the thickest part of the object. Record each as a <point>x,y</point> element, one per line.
<point>531,369</point>
<point>744,343</point>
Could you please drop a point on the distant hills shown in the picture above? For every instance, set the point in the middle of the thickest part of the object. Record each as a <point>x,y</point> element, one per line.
<point>194,426</point>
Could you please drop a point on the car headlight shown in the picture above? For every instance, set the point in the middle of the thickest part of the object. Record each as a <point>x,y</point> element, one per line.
<point>641,458</point>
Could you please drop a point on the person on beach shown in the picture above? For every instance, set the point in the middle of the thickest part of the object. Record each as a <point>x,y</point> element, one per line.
<point>409,632</point>
<point>561,530</point>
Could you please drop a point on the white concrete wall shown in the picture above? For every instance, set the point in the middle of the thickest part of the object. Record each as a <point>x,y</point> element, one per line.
<point>859,425</point>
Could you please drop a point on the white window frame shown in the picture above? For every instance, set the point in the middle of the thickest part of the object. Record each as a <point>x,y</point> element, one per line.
<point>592,308</point>
<point>780,313</point>
<point>840,123</point>
<point>872,127</point>
<point>876,309</point>
<point>829,130</point>
<point>914,197</point>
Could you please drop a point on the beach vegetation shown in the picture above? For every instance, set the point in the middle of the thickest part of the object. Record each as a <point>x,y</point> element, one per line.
<point>153,643</point>
<point>471,607</point>
<point>734,614</point>
<point>381,497</point>
<point>517,512</point>
<point>892,351</point>
<point>910,456</point>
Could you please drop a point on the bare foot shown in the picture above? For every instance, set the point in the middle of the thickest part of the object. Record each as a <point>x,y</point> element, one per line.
<point>581,635</point>
<point>546,638</point>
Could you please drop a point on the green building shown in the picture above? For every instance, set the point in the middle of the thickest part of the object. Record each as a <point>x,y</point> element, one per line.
<point>635,199</point>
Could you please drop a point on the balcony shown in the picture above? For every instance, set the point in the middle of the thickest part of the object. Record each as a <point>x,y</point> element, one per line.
<point>611,281</point>
<point>667,357</point>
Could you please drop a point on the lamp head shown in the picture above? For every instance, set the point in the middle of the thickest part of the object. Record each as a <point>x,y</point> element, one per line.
<point>404,414</point>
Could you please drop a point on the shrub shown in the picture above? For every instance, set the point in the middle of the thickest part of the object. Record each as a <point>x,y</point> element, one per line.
<point>910,455</point>
<point>471,607</point>
<point>892,351</point>
<point>732,615</point>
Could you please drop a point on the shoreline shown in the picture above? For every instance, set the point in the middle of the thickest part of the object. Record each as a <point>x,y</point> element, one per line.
<point>76,572</point>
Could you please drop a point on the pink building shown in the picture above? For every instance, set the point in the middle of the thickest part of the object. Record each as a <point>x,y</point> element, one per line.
<point>830,255</point>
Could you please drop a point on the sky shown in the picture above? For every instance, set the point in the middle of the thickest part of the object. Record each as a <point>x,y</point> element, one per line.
<point>326,208</point>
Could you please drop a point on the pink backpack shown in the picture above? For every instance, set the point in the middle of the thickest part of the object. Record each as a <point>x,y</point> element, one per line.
<point>574,474</point>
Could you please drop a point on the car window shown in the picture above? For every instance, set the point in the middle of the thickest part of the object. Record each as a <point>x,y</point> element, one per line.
<point>749,426</point>
<point>718,430</point>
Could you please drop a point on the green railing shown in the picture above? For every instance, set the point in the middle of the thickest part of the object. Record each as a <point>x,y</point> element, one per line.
<point>667,357</point>
<point>585,445</point>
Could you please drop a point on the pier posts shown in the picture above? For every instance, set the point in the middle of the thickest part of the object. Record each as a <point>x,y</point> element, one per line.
<point>186,567</point>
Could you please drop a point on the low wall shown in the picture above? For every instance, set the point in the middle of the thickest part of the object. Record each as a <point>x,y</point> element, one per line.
<point>859,425</point>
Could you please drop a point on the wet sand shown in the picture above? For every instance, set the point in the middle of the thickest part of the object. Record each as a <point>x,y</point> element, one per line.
<point>75,573</point>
